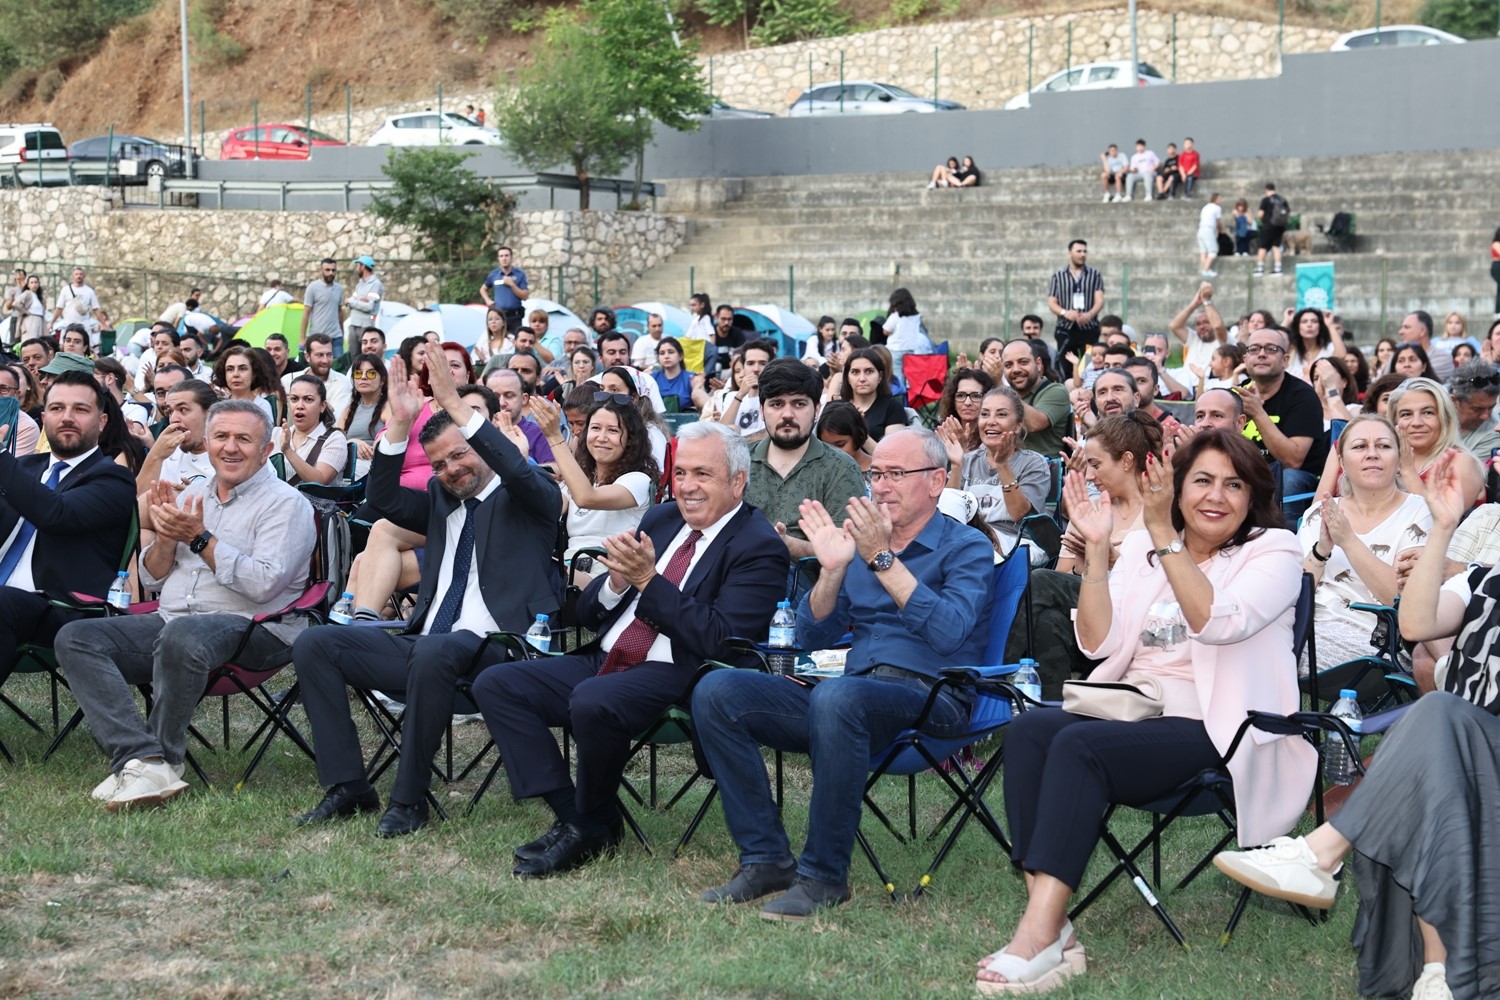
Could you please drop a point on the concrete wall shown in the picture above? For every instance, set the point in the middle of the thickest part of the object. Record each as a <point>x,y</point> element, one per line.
<point>1328,104</point>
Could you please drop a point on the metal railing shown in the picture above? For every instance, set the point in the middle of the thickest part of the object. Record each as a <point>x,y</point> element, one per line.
<point>349,190</point>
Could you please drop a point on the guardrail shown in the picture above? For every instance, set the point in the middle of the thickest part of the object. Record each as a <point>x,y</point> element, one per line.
<point>88,173</point>
<point>347,190</point>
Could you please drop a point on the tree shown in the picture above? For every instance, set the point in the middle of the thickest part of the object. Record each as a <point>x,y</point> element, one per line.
<point>570,108</point>
<point>775,22</point>
<point>656,71</point>
<point>455,215</point>
<point>1465,18</point>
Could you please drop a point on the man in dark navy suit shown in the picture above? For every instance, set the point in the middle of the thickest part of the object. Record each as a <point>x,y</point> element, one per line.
<point>698,571</point>
<point>490,518</point>
<point>63,516</point>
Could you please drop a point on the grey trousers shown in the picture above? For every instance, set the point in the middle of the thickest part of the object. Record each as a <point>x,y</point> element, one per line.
<point>104,658</point>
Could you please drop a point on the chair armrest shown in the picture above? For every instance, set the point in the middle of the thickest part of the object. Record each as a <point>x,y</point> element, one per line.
<point>305,604</point>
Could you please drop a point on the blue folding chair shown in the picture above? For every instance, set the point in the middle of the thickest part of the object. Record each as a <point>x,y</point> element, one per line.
<point>914,751</point>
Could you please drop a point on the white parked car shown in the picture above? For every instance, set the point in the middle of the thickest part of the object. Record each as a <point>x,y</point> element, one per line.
<point>1393,35</point>
<point>1092,76</point>
<point>428,128</point>
<point>864,97</point>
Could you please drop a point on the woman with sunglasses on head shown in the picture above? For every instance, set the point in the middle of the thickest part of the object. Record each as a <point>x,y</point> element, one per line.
<point>620,385</point>
<point>609,478</point>
<point>1007,481</point>
<point>363,419</point>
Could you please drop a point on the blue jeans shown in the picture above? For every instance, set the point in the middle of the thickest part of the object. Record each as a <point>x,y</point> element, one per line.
<point>841,723</point>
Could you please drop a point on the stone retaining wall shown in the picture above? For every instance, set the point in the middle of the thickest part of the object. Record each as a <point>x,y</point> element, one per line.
<point>142,260</point>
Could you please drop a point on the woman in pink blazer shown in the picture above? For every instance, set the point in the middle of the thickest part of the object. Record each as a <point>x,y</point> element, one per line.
<point>1201,603</point>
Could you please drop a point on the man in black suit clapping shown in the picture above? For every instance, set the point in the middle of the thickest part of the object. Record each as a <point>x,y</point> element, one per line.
<point>490,518</point>
<point>63,517</point>
<point>696,573</point>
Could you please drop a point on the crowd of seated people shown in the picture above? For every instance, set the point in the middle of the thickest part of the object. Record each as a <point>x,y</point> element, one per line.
<point>1177,565</point>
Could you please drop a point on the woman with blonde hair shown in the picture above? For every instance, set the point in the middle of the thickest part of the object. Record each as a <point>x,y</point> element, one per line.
<point>1428,425</point>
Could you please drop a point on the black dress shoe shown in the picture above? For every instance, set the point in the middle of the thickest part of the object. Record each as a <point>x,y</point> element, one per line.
<point>401,819</point>
<point>341,802</point>
<point>536,848</point>
<point>570,850</point>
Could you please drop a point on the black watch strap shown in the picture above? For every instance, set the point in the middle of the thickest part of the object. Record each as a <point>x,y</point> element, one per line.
<point>200,543</point>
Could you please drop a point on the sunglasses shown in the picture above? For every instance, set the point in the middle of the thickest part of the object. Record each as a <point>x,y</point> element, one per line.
<point>364,376</point>
<point>619,397</point>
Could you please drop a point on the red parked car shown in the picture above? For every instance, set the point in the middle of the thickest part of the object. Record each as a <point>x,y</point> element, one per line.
<point>273,142</point>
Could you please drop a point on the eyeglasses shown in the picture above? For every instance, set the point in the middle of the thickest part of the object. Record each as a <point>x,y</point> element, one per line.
<point>1272,349</point>
<point>894,476</point>
<point>968,397</point>
<point>441,465</point>
<point>365,376</point>
<point>618,397</point>
<point>6,390</point>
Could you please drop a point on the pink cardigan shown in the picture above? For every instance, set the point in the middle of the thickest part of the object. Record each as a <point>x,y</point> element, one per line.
<point>1242,660</point>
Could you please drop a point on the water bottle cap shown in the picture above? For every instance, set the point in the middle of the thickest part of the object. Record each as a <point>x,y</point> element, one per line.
<point>1027,661</point>
<point>1350,694</point>
<point>783,604</point>
<point>348,596</point>
<point>541,618</point>
<point>123,574</point>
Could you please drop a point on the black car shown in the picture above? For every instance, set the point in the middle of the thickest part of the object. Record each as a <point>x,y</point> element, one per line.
<point>134,159</point>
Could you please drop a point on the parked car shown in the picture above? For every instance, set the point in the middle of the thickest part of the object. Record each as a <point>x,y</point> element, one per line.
<point>718,109</point>
<point>428,128</point>
<point>1091,76</point>
<point>277,141</point>
<point>32,152</point>
<point>1393,35</point>
<point>863,97</point>
<point>131,159</point>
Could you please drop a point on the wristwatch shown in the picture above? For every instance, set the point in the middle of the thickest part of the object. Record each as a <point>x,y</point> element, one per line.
<point>884,559</point>
<point>1176,546</point>
<point>200,543</point>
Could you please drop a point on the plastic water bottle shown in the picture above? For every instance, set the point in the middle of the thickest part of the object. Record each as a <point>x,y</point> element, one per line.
<point>1027,680</point>
<point>342,613</point>
<point>783,636</point>
<point>540,634</point>
<point>1338,769</point>
<point>119,593</point>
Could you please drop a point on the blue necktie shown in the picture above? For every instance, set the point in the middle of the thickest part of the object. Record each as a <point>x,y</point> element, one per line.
<point>23,537</point>
<point>453,601</point>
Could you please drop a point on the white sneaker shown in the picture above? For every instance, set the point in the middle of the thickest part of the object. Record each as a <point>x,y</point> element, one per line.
<point>1287,869</point>
<point>106,789</point>
<point>464,720</point>
<point>144,785</point>
<point>1126,198</point>
<point>1432,984</point>
<point>931,185</point>
<point>1108,197</point>
<point>1210,273</point>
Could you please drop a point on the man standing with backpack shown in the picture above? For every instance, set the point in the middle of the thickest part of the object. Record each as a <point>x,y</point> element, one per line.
<point>1274,215</point>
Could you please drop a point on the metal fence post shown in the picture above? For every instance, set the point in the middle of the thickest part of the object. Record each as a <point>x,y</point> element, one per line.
<point>1385,273</point>
<point>202,133</point>
<point>1249,285</point>
<point>109,155</point>
<point>1030,37</point>
<point>1280,32</point>
<point>934,77</point>
<point>692,280</point>
<point>1377,15</point>
<point>255,122</point>
<point>348,117</point>
<point>841,81</point>
<point>809,71</point>
<point>1069,50</point>
<point>1005,314</point>
<point>309,110</point>
<point>791,287</point>
<point>710,74</point>
<point>596,284</point>
<point>1125,294</point>
<point>1174,44</point>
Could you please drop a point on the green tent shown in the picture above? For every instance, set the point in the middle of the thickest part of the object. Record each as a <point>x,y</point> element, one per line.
<point>285,319</point>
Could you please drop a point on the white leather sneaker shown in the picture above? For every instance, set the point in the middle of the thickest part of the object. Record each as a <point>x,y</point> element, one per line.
<point>1286,869</point>
<point>146,785</point>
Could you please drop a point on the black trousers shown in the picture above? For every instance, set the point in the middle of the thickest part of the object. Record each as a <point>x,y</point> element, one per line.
<point>523,701</point>
<point>1062,772</point>
<point>27,617</point>
<point>423,671</point>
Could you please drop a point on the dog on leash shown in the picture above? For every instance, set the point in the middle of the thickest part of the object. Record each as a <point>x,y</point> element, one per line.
<point>1297,243</point>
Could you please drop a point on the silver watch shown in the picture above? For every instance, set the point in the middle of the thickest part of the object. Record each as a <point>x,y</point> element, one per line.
<point>1176,546</point>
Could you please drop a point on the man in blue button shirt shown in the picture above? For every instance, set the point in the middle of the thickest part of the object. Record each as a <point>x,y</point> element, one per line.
<point>914,586</point>
<point>505,288</point>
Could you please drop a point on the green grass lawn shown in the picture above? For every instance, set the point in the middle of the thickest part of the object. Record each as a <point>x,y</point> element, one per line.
<point>219,896</point>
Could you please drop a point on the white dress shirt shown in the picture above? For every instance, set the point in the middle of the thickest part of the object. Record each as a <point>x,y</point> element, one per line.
<point>21,578</point>
<point>661,649</point>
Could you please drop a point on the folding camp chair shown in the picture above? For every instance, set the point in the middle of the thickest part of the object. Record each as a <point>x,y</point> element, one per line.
<point>1340,232</point>
<point>1210,792</point>
<point>913,751</point>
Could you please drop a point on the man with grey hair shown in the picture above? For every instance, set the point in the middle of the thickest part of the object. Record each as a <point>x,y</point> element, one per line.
<point>219,552</point>
<point>696,572</point>
<point>1475,387</point>
<point>916,585</point>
